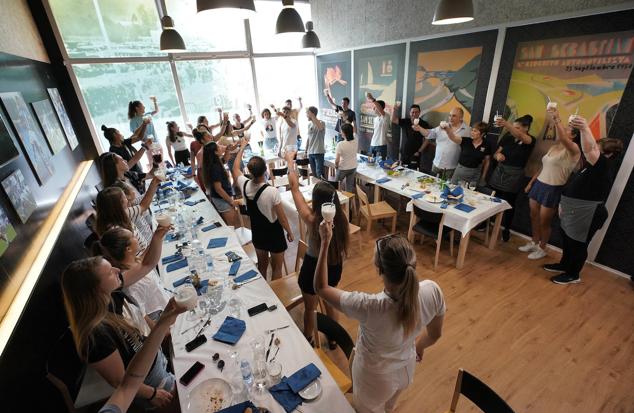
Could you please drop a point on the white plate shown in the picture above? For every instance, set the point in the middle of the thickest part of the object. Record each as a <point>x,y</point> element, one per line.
<point>434,199</point>
<point>210,396</point>
<point>312,391</point>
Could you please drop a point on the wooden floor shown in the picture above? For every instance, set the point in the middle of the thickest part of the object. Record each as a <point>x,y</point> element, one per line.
<point>543,347</point>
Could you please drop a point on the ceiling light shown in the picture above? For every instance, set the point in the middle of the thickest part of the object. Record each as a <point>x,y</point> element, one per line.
<point>453,12</point>
<point>289,20</point>
<point>310,39</point>
<point>227,9</point>
<point>171,40</point>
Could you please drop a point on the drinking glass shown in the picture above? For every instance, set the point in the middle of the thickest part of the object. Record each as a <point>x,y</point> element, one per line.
<point>274,370</point>
<point>235,307</point>
<point>259,379</point>
<point>214,293</point>
<point>257,346</point>
<point>473,185</point>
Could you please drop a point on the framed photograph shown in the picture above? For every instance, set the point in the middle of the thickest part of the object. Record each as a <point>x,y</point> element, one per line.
<point>63,117</point>
<point>20,195</point>
<point>50,125</point>
<point>33,142</point>
<point>9,150</point>
<point>7,231</point>
<point>334,77</point>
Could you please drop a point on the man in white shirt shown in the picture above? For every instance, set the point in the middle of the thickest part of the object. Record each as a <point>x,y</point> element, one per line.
<point>379,142</point>
<point>447,151</point>
<point>287,129</point>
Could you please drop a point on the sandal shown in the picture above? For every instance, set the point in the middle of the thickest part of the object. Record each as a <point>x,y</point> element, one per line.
<point>310,340</point>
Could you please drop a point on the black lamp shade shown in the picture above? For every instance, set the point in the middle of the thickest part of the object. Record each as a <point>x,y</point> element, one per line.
<point>453,12</point>
<point>227,8</point>
<point>171,40</point>
<point>289,20</point>
<point>310,39</point>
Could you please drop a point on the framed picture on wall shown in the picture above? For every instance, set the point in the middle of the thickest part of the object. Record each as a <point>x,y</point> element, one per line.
<point>334,78</point>
<point>50,125</point>
<point>7,231</point>
<point>63,117</point>
<point>20,195</point>
<point>33,142</point>
<point>8,150</point>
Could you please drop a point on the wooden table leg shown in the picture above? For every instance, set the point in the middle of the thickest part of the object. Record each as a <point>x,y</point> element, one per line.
<point>462,250</point>
<point>496,230</point>
<point>377,193</point>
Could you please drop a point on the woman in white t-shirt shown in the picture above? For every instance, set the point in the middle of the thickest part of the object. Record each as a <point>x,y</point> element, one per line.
<point>346,157</point>
<point>267,131</point>
<point>395,325</point>
<point>176,140</point>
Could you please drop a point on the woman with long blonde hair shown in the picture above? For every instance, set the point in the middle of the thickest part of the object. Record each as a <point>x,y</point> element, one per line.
<point>395,325</point>
<point>105,327</point>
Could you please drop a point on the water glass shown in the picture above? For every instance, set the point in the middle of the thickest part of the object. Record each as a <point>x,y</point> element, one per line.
<point>259,379</point>
<point>258,348</point>
<point>235,307</point>
<point>214,293</point>
<point>274,370</point>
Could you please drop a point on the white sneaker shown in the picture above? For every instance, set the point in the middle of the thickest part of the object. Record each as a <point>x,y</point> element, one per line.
<point>528,247</point>
<point>537,253</point>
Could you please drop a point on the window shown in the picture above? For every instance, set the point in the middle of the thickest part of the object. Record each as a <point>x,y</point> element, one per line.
<point>298,73</point>
<point>108,28</point>
<point>209,84</point>
<point>107,89</point>
<point>201,33</point>
<point>263,28</point>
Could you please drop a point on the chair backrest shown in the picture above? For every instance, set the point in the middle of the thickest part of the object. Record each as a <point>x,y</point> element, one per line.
<point>280,171</point>
<point>431,218</point>
<point>302,247</point>
<point>487,190</point>
<point>479,393</point>
<point>335,332</point>
<point>363,198</point>
<point>335,184</point>
<point>64,368</point>
<point>302,162</point>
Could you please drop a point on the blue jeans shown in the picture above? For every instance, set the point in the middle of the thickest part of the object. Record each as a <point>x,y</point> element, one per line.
<point>380,150</point>
<point>317,164</point>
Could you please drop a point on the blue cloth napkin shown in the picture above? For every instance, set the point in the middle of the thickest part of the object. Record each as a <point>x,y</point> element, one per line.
<point>444,205</point>
<point>246,276</point>
<point>166,185</point>
<point>177,265</point>
<point>239,408</point>
<point>285,396</point>
<point>303,377</point>
<point>456,192</point>
<point>217,242</point>
<point>203,287</point>
<point>496,199</point>
<point>235,266</point>
<point>171,258</point>
<point>418,195</point>
<point>187,171</point>
<point>230,331</point>
<point>171,237</point>
<point>464,207</point>
<point>209,228</point>
<point>185,280</point>
<point>192,203</point>
<point>382,180</point>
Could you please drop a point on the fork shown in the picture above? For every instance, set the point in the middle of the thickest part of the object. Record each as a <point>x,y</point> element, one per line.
<point>267,332</point>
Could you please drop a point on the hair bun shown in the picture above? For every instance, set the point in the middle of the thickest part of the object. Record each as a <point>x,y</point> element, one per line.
<point>528,117</point>
<point>103,128</point>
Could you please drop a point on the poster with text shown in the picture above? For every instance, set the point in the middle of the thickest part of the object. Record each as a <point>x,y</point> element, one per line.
<point>334,77</point>
<point>584,75</point>
<point>380,71</point>
<point>446,79</point>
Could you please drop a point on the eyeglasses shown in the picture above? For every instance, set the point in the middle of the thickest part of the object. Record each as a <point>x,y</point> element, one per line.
<point>379,241</point>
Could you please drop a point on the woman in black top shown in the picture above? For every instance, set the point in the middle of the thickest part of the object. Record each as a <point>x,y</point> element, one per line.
<point>582,209</point>
<point>513,151</point>
<point>216,180</point>
<point>123,147</point>
<point>475,154</point>
<point>114,168</point>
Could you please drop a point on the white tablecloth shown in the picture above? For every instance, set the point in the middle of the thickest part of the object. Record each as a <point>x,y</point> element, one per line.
<point>295,352</point>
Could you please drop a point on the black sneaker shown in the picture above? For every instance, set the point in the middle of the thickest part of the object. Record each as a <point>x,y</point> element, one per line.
<point>506,235</point>
<point>557,267</point>
<point>565,279</point>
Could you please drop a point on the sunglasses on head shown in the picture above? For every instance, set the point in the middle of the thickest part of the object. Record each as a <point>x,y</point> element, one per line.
<point>380,242</point>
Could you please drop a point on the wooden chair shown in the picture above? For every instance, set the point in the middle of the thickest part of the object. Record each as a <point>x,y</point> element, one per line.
<point>286,288</point>
<point>335,332</point>
<point>352,203</point>
<point>354,229</point>
<point>431,224</point>
<point>375,211</point>
<point>303,171</point>
<point>65,370</point>
<point>279,174</point>
<point>479,393</point>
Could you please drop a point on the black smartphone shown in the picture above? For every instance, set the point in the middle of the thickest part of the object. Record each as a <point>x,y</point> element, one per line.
<point>257,309</point>
<point>195,343</point>
<point>191,373</point>
<point>217,224</point>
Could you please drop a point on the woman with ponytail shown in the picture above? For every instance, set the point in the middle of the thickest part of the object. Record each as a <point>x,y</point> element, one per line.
<point>395,325</point>
<point>124,146</point>
<point>107,330</point>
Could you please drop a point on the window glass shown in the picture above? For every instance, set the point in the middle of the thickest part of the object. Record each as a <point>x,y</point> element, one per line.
<point>107,89</point>
<point>201,32</point>
<point>298,73</point>
<point>211,84</point>
<point>262,26</point>
<point>108,28</point>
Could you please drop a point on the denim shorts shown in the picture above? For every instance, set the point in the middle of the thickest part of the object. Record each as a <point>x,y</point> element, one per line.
<point>546,195</point>
<point>159,377</point>
<point>221,205</point>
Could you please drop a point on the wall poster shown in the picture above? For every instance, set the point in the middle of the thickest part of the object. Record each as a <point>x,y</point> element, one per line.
<point>333,76</point>
<point>380,71</point>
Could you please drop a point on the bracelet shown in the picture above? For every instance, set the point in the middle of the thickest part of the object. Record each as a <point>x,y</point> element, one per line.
<point>153,394</point>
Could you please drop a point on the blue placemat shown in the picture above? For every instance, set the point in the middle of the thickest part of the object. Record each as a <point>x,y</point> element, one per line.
<point>209,228</point>
<point>235,266</point>
<point>230,331</point>
<point>171,258</point>
<point>217,242</point>
<point>382,180</point>
<point>246,276</point>
<point>418,195</point>
<point>176,265</point>
<point>464,207</point>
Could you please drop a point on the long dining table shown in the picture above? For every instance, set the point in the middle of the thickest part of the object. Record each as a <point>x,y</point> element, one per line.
<point>294,351</point>
<point>408,185</point>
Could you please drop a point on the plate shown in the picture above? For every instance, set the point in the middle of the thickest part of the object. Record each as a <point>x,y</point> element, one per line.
<point>312,391</point>
<point>434,199</point>
<point>210,396</point>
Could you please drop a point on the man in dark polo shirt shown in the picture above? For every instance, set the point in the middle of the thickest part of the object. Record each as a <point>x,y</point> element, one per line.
<point>345,114</point>
<point>412,139</point>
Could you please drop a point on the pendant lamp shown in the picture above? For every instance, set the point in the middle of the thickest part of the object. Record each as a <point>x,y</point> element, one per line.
<point>453,12</point>
<point>171,40</point>
<point>227,9</point>
<point>289,20</point>
<point>310,39</point>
